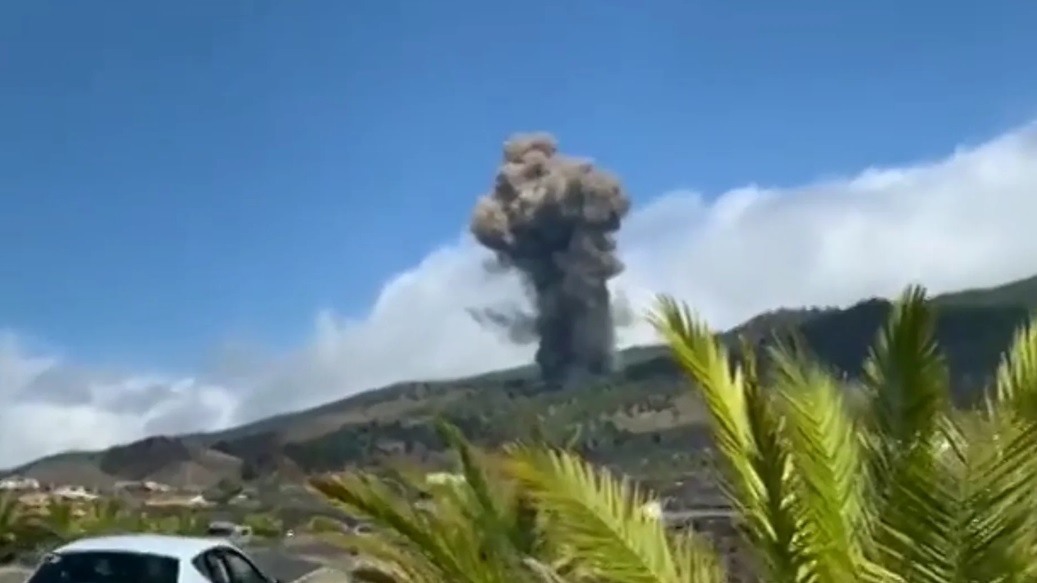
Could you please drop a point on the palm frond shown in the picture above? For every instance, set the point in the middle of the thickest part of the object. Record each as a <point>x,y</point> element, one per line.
<point>1016,379</point>
<point>448,543</point>
<point>376,574</point>
<point>831,486</point>
<point>600,518</point>
<point>380,556</point>
<point>907,375</point>
<point>695,558</point>
<point>482,502</point>
<point>1003,493</point>
<point>997,530</point>
<point>907,382</point>
<point>747,432</point>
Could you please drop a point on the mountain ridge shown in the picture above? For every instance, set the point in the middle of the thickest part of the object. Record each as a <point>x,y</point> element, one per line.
<point>638,411</point>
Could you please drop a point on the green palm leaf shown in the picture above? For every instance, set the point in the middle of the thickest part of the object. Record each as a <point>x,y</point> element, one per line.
<point>827,459</point>
<point>601,519</point>
<point>748,433</point>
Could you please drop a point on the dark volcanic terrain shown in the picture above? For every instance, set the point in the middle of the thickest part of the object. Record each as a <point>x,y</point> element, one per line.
<point>643,418</point>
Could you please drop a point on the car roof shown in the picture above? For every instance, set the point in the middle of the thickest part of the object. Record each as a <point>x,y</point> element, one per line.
<point>177,547</point>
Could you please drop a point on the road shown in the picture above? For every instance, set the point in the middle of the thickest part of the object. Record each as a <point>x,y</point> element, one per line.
<point>693,513</point>
<point>286,567</point>
<point>13,575</point>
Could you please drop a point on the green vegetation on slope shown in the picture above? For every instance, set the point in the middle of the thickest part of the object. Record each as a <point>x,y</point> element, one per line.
<point>640,418</point>
<point>1021,293</point>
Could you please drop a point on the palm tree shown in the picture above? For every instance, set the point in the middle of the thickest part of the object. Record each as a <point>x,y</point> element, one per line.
<point>899,488</point>
<point>887,484</point>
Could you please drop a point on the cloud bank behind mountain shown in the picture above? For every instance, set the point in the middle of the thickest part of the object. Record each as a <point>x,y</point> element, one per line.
<point>962,221</point>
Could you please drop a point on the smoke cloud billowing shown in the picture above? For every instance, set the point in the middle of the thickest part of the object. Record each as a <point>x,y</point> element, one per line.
<point>552,219</point>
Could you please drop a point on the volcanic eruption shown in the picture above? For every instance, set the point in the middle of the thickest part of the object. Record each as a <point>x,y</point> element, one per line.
<point>552,219</point>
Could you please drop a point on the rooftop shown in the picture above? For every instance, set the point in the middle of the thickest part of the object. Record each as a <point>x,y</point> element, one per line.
<point>179,547</point>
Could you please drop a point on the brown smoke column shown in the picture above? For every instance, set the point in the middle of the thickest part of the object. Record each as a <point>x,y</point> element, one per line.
<point>552,218</point>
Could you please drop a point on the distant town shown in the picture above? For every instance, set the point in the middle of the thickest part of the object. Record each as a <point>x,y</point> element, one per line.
<point>33,493</point>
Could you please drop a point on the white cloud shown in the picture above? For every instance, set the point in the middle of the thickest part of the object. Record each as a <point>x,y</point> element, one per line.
<point>958,222</point>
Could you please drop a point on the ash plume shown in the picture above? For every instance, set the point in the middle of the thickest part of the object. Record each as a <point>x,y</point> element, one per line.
<point>552,219</point>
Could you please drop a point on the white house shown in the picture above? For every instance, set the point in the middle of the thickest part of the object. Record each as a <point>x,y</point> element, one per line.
<point>16,483</point>
<point>74,493</point>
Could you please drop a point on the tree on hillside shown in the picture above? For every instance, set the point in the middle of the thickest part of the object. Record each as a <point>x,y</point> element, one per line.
<point>898,487</point>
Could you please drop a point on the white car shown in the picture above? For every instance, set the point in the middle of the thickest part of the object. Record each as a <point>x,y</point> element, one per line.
<point>151,558</point>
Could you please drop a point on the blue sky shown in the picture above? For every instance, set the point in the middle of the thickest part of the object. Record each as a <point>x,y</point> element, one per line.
<point>176,175</point>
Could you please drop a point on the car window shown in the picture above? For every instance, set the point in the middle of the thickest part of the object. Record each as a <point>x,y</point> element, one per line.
<point>105,567</point>
<point>241,570</point>
<point>210,565</point>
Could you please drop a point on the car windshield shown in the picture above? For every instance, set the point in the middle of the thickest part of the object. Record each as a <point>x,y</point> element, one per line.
<point>105,567</point>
